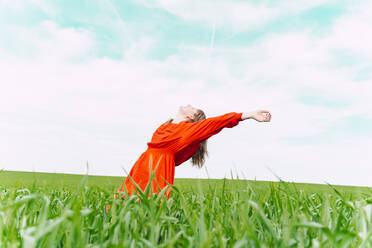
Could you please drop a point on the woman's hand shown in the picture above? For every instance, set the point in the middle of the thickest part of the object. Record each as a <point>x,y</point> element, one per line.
<point>259,115</point>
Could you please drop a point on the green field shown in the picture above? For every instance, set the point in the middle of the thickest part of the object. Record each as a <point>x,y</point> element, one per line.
<point>64,210</point>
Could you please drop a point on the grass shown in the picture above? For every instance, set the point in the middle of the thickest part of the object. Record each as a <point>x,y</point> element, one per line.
<point>61,210</point>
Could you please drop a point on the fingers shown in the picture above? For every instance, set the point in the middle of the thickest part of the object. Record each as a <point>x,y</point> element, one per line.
<point>263,115</point>
<point>267,117</point>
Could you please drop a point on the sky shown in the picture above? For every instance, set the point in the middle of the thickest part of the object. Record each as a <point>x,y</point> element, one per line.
<point>88,82</point>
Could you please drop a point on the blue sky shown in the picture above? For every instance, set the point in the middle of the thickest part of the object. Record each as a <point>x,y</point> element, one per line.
<point>92,80</point>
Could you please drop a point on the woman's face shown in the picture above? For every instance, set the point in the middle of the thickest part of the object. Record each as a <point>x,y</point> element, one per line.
<point>188,111</point>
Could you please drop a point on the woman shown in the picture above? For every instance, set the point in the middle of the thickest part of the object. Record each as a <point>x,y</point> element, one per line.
<point>176,141</point>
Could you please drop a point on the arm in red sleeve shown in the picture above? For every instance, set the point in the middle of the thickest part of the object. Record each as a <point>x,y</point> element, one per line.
<point>185,154</point>
<point>201,130</point>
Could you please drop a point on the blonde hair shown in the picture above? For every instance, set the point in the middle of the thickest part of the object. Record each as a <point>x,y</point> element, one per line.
<point>198,158</point>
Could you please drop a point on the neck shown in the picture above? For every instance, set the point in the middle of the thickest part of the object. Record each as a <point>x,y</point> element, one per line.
<point>179,118</point>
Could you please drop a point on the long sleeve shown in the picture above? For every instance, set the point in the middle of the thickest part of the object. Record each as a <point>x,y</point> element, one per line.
<point>201,130</point>
<point>186,154</point>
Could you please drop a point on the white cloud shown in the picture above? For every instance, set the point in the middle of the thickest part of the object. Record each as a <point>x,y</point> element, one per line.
<point>235,15</point>
<point>352,30</point>
<point>239,15</point>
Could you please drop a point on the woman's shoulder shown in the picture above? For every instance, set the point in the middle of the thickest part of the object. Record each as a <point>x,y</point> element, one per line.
<point>170,126</point>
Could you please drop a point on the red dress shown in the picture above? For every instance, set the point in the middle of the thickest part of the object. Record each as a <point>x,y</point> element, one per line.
<point>171,145</point>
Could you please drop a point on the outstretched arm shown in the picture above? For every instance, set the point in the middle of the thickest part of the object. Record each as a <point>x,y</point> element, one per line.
<point>201,130</point>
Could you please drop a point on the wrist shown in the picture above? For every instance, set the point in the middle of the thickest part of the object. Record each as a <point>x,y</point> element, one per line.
<point>247,115</point>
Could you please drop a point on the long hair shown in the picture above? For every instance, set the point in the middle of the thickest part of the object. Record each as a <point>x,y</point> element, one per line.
<point>198,158</point>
